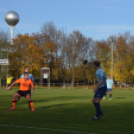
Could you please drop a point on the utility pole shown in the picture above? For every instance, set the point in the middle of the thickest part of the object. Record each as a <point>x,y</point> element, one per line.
<point>0,69</point>
<point>112,60</point>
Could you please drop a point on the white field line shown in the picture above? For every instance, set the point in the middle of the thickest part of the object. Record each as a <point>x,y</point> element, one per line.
<point>50,129</point>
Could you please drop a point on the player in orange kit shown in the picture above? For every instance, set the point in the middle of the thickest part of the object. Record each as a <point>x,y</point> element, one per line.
<point>24,90</point>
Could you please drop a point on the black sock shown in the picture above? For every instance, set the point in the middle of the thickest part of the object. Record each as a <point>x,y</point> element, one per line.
<point>110,95</point>
<point>98,109</point>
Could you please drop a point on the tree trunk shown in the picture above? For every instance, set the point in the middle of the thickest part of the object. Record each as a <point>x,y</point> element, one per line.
<point>72,83</point>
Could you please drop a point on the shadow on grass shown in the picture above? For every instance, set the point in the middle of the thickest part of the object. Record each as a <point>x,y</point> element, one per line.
<point>117,119</point>
<point>120,98</point>
<point>50,99</point>
<point>56,105</point>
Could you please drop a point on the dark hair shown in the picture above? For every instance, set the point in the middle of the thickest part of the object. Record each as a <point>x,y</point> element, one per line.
<point>26,67</point>
<point>26,73</point>
<point>97,63</point>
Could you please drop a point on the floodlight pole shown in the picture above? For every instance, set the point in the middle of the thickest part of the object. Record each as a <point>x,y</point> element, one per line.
<point>49,79</point>
<point>112,60</point>
<point>0,69</point>
<point>11,35</point>
<point>7,65</point>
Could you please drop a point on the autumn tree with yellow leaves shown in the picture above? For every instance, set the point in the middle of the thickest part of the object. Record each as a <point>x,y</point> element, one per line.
<point>26,52</point>
<point>63,54</point>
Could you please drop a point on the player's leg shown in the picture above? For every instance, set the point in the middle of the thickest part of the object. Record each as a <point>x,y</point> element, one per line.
<point>28,97</point>
<point>29,106</point>
<point>104,97</point>
<point>96,102</point>
<point>20,94</point>
<point>14,100</point>
<point>18,99</point>
<point>110,95</point>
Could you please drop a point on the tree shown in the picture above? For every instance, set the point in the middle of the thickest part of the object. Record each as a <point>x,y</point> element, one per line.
<point>77,47</point>
<point>4,49</point>
<point>122,60</point>
<point>102,53</point>
<point>26,52</point>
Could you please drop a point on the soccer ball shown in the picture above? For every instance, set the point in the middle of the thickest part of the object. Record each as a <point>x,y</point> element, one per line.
<point>84,61</point>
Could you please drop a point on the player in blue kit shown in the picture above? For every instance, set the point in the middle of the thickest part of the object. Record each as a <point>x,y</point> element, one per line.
<point>110,85</point>
<point>100,89</point>
<point>30,76</point>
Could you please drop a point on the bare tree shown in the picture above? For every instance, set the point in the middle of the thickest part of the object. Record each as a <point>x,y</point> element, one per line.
<point>78,47</point>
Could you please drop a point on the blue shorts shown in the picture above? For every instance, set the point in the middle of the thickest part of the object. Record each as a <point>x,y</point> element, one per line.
<point>100,92</point>
<point>109,89</point>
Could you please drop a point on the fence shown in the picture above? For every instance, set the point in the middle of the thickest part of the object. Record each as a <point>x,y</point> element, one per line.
<point>52,85</point>
<point>125,86</point>
<point>75,85</point>
<point>61,85</point>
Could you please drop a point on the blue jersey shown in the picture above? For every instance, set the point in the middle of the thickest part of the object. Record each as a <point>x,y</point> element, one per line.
<point>109,83</point>
<point>100,74</point>
<point>30,76</point>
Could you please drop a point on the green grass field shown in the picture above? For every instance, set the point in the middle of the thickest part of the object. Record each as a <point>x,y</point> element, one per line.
<point>67,111</point>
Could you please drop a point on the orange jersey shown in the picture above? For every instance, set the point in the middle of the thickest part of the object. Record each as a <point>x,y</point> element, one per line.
<point>24,84</point>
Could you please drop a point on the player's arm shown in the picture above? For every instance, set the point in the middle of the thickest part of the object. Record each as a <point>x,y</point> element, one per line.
<point>32,85</point>
<point>99,84</point>
<point>102,75</point>
<point>113,85</point>
<point>33,89</point>
<point>32,78</point>
<point>17,81</point>
<point>8,88</point>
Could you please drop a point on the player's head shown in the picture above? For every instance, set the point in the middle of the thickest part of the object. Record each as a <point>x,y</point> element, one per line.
<point>9,76</point>
<point>26,69</point>
<point>96,64</point>
<point>109,76</point>
<point>26,75</point>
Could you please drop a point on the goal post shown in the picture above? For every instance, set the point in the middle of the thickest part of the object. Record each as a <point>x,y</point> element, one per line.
<point>45,74</point>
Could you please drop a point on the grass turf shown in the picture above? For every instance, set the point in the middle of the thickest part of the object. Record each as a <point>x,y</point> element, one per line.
<point>67,111</point>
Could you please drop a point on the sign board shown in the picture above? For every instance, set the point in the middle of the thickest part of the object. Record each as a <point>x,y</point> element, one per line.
<point>4,62</point>
<point>45,72</point>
